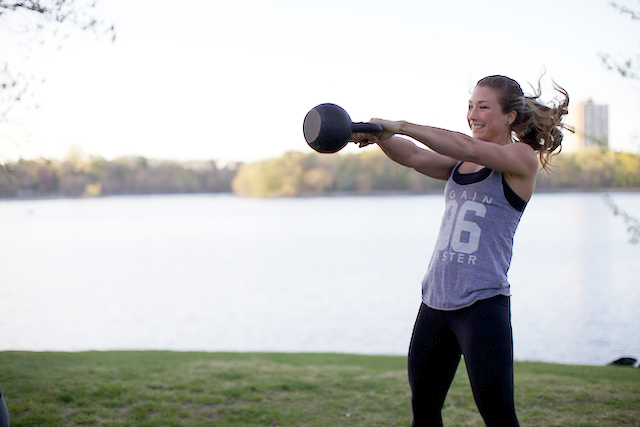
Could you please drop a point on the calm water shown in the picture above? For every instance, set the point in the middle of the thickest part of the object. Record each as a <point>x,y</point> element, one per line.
<point>219,273</point>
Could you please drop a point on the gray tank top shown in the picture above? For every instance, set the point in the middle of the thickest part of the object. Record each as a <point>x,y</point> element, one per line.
<point>473,251</point>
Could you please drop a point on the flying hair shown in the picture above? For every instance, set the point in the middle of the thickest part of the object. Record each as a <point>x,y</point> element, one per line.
<point>537,125</point>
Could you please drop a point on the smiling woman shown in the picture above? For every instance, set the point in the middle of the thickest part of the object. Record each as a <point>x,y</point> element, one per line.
<point>466,294</point>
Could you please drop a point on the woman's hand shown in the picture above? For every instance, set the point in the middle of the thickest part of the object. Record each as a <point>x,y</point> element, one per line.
<point>390,128</point>
<point>364,139</point>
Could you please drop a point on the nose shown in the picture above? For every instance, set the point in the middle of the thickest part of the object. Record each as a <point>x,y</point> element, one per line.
<point>471,113</point>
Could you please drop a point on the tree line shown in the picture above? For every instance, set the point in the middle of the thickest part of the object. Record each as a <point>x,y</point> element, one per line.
<point>297,174</point>
<point>75,177</point>
<point>292,175</point>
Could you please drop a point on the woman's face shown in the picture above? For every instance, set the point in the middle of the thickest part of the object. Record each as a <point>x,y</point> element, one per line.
<point>486,119</point>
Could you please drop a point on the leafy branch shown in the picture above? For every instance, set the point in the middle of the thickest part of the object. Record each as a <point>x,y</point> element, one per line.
<point>633,225</point>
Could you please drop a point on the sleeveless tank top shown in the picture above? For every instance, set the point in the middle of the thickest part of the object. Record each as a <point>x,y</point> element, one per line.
<point>473,252</point>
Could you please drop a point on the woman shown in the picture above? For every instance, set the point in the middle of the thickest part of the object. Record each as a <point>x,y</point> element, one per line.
<point>490,178</point>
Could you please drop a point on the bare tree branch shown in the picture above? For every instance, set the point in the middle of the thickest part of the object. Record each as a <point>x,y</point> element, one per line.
<point>630,67</point>
<point>635,16</point>
<point>47,19</point>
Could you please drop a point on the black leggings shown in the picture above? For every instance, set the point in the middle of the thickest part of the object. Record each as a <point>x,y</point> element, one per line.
<point>4,413</point>
<point>482,333</point>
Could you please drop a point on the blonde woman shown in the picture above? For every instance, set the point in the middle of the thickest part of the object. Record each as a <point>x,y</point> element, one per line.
<point>465,293</point>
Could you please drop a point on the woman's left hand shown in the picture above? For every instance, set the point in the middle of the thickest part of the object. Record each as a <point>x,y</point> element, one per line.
<point>390,128</point>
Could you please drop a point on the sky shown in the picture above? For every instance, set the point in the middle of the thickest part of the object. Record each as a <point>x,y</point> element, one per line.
<point>232,81</point>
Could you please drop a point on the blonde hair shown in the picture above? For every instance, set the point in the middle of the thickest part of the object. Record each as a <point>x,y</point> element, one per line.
<point>537,125</point>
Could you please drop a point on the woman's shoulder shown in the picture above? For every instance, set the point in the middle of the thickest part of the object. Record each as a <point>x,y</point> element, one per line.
<point>524,156</point>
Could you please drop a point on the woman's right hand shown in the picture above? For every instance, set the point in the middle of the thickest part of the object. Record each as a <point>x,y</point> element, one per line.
<point>363,139</point>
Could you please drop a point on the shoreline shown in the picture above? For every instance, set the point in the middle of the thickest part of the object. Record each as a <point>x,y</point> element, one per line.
<point>326,195</point>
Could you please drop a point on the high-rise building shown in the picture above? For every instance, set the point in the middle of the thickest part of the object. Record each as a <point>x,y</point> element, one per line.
<point>591,125</point>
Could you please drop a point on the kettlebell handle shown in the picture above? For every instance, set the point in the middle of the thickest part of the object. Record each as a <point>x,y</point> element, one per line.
<point>366,127</point>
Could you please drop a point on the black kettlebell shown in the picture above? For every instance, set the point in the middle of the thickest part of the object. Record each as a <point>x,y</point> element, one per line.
<point>328,128</point>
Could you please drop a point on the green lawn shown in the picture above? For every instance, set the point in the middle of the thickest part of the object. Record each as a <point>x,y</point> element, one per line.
<point>264,389</point>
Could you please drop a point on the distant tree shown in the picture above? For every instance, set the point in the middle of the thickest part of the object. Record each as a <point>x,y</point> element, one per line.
<point>278,177</point>
<point>318,180</point>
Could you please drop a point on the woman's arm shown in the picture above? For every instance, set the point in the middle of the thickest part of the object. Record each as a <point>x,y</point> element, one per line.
<point>424,161</point>
<point>514,159</point>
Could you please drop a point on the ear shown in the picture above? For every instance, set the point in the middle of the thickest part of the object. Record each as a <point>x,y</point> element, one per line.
<point>511,116</point>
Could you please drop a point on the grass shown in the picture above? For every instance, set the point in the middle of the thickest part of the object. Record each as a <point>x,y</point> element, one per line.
<point>271,389</point>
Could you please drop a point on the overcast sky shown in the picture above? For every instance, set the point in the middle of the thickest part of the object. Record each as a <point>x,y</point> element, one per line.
<point>233,80</point>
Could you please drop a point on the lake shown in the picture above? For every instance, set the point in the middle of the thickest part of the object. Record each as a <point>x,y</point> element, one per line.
<point>334,274</point>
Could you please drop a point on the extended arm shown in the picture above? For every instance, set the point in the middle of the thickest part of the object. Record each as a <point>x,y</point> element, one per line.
<point>515,159</point>
<point>424,161</point>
